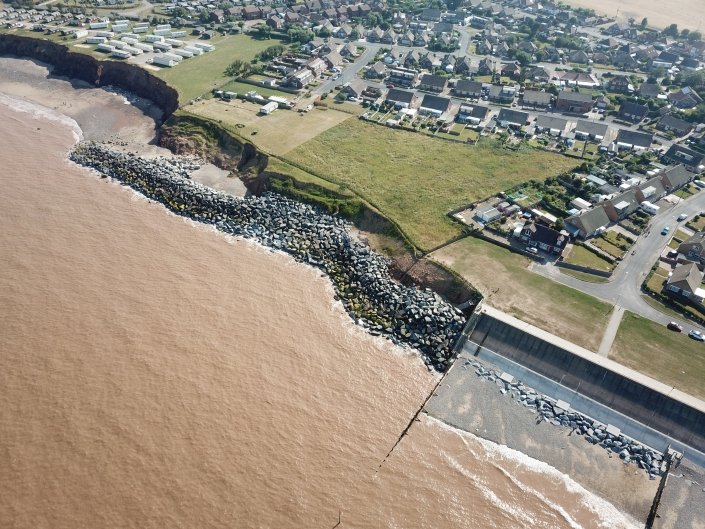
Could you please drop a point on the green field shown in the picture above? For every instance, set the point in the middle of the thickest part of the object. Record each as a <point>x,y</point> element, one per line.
<point>416,180</point>
<point>668,356</point>
<point>195,77</point>
<point>507,284</point>
<point>242,88</point>
<point>584,257</point>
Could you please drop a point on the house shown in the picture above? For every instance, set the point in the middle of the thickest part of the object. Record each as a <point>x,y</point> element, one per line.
<point>275,22</point>
<point>514,119</point>
<point>587,223</point>
<point>433,83</point>
<point>299,79</point>
<point>670,123</point>
<point>354,88</point>
<point>374,35</point>
<point>389,37</point>
<point>536,100</point>
<point>622,205</point>
<point>676,177</point>
<point>421,39</point>
<point>633,112</point>
<point>489,215</point>
<point>539,74</point>
<point>573,102</point>
<point>651,190</point>
<point>488,66</point>
<point>403,77</point>
<point>692,160</point>
<point>579,57</point>
<point>551,125</point>
<point>649,90</point>
<point>684,282</point>
<point>620,84</point>
<point>430,15</point>
<point>402,98</point>
<point>377,71</point>
<point>580,79</point>
<point>349,51</point>
<point>693,248</point>
<point>343,32</point>
<point>629,139</point>
<point>435,105</point>
<point>467,88</point>
<point>333,59</point>
<point>590,130</point>
<point>685,98</point>
<point>545,238</point>
<point>511,70</point>
<point>501,93</point>
<point>251,12</point>
<point>317,66</point>
<point>474,114</point>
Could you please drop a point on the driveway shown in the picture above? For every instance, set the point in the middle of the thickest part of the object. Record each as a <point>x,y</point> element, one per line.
<point>624,287</point>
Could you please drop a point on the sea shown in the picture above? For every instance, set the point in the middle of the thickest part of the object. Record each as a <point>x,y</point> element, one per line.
<point>155,373</point>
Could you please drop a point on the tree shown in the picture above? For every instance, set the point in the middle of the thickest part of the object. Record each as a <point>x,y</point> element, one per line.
<point>644,23</point>
<point>671,31</point>
<point>262,31</point>
<point>237,68</point>
<point>324,32</point>
<point>695,36</point>
<point>354,34</point>
<point>523,58</point>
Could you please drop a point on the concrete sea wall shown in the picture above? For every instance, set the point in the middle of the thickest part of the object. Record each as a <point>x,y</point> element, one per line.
<point>408,316</point>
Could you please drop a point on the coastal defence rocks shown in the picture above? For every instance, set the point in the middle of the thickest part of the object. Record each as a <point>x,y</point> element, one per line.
<point>549,410</point>
<point>361,277</point>
<point>91,70</point>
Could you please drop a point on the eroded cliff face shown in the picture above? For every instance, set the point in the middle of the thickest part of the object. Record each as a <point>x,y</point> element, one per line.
<point>96,72</point>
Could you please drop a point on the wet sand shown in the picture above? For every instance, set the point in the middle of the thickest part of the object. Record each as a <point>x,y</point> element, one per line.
<point>154,373</point>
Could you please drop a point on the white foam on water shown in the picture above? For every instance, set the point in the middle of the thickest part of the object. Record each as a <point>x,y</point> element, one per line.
<point>606,514</point>
<point>40,112</point>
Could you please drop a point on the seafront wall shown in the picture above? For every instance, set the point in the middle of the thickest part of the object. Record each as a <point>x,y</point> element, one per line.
<point>91,70</point>
<point>361,278</point>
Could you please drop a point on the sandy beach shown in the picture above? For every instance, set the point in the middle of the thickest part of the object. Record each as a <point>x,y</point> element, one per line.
<point>156,373</point>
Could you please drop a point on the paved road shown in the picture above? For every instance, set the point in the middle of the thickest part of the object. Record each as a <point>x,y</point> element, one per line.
<point>624,287</point>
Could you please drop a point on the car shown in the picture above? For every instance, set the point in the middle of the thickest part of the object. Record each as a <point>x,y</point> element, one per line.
<point>697,335</point>
<point>673,326</point>
<point>665,230</point>
<point>531,249</point>
<point>682,217</point>
<point>390,85</point>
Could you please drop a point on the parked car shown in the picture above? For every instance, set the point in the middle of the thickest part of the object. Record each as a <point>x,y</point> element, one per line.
<point>665,230</point>
<point>682,217</point>
<point>531,249</point>
<point>675,327</point>
<point>697,335</point>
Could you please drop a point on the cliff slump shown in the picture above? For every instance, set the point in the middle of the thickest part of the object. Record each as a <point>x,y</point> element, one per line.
<point>96,72</point>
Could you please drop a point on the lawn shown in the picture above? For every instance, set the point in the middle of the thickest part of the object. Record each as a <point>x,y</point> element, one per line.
<point>687,191</point>
<point>588,278</point>
<point>243,88</point>
<point>655,282</point>
<point>196,76</point>
<point>681,235</point>
<point>670,357</point>
<point>607,247</point>
<point>507,284</point>
<point>697,225</point>
<point>583,257</point>
<point>416,180</point>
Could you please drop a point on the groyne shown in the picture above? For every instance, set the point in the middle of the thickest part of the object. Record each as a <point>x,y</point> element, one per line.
<point>93,71</point>
<point>408,316</point>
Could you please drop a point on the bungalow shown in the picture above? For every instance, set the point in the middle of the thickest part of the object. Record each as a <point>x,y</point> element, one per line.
<point>467,88</point>
<point>539,74</point>
<point>349,51</point>
<point>579,57</point>
<point>430,15</point>
<point>621,84</point>
<point>693,248</point>
<point>511,70</point>
<point>649,90</point>
<point>651,190</point>
<point>299,79</point>
<point>581,79</point>
<point>514,119</point>
<point>435,105</point>
<point>686,97</point>
<point>433,83</point>
<point>403,76</point>
<point>377,71</point>
<point>474,114</point>
<point>545,238</point>
<point>402,98</point>
<point>587,223</point>
<point>622,205</point>
<point>673,124</point>
<point>354,88</point>
<point>676,177</point>
<point>590,130</point>
<point>692,160</point>
<point>633,112</point>
<point>684,282</point>
<point>573,102</point>
<point>551,125</point>
<point>333,59</point>
<point>502,93</point>
<point>536,100</point>
<point>317,66</point>
<point>629,139</point>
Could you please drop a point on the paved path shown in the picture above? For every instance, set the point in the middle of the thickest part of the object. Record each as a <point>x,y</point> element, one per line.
<point>611,331</point>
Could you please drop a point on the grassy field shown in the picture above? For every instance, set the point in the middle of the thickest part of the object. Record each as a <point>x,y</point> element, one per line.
<point>195,77</point>
<point>507,284</point>
<point>415,179</point>
<point>607,247</point>
<point>584,257</point>
<point>670,357</point>
<point>277,133</point>
<point>242,88</point>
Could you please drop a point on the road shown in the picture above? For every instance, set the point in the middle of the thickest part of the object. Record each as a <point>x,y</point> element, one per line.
<point>624,287</point>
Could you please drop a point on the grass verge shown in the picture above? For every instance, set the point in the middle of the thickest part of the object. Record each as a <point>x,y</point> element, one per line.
<point>670,357</point>
<point>507,284</point>
<point>584,257</point>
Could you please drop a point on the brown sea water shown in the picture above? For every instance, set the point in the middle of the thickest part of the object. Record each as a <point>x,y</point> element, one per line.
<point>154,373</point>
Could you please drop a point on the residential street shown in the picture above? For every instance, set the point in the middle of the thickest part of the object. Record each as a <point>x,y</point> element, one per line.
<point>624,288</point>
